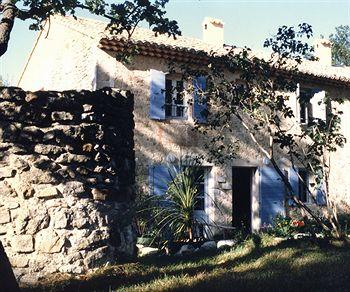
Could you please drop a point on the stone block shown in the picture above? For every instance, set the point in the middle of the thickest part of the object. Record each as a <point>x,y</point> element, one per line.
<point>48,149</point>
<point>97,257</point>
<point>221,179</point>
<point>59,219</point>
<point>226,186</point>
<point>99,195</point>
<point>67,158</point>
<point>3,229</point>
<point>6,172</point>
<point>12,205</point>
<point>19,261</point>
<point>48,241</point>
<point>4,216</point>
<point>47,192</point>
<point>22,243</point>
<point>62,116</point>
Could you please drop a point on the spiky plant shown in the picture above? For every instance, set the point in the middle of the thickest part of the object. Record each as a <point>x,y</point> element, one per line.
<point>176,212</point>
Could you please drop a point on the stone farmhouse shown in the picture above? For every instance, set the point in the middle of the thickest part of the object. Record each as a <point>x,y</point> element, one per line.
<point>80,54</point>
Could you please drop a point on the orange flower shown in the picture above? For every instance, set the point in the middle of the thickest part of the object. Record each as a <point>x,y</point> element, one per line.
<point>295,223</point>
<point>301,223</point>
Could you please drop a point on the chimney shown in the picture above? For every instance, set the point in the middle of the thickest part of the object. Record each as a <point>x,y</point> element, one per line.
<point>323,51</point>
<point>213,31</point>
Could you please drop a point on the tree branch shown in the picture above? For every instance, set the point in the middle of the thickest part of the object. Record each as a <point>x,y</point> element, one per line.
<point>6,24</point>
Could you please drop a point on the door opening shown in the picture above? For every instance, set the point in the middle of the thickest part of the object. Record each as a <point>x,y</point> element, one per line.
<point>241,197</point>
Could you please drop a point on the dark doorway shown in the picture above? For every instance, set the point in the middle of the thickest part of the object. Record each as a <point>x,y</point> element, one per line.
<point>241,197</point>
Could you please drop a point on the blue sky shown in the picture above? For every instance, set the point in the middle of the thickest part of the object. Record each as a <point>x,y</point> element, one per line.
<point>247,23</point>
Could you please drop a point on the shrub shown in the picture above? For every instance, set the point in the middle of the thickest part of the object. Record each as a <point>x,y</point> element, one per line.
<point>289,227</point>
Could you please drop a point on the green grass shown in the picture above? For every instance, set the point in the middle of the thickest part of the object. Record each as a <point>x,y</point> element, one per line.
<point>275,266</point>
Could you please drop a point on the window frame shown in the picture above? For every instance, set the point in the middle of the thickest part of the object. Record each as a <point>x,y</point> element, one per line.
<point>203,186</point>
<point>174,96</point>
<point>308,117</point>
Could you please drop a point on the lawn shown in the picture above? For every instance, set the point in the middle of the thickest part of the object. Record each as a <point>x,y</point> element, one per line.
<point>275,266</point>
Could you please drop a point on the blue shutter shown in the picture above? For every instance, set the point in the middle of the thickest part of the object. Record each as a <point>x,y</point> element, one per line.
<point>321,195</point>
<point>294,181</point>
<point>272,194</point>
<point>199,101</point>
<point>157,98</point>
<point>159,179</point>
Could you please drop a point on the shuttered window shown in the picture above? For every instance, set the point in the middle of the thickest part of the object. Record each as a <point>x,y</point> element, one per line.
<point>311,105</point>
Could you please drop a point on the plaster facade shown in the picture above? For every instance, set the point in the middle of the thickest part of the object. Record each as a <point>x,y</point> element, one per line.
<point>88,67</point>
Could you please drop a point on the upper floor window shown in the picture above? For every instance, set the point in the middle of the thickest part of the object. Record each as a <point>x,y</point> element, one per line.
<point>312,105</point>
<point>175,106</point>
<point>168,99</point>
<point>305,107</point>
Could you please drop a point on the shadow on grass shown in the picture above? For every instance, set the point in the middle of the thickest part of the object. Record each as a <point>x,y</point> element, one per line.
<point>287,266</point>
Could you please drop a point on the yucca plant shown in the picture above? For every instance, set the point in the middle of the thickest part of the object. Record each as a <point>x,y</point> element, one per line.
<point>175,212</point>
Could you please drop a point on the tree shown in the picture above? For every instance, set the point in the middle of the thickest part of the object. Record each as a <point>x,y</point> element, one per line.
<point>252,92</point>
<point>341,45</point>
<point>122,16</point>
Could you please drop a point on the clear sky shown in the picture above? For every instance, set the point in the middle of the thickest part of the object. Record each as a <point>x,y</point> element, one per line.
<point>247,23</point>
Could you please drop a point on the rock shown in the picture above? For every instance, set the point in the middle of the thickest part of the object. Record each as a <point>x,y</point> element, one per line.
<point>72,188</point>
<point>209,245</point>
<point>87,107</point>
<point>18,163</point>
<point>60,219</point>
<point>186,250</point>
<point>4,216</point>
<point>147,251</point>
<point>12,205</point>
<point>96,238</point>
<point>48,241</point>
<point>88,117</point>
<point>226,186</point>
<point>67,158</point>
<point>19,261</point>
<point>47,192</point>
<point>80,219</point>
<point>61,116</point>
<point>3,230</point>
<point>31,219</point>
<point>22,243</point>
<point>95,258</point>
<point>223,244</point>
<point>6,190</point>
<point>99,195</point>
<point>221,179</point>
<point>48,149</point>
<point>6,172</point>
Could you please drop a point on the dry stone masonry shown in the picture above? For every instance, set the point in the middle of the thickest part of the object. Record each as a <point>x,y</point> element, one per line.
<point>66,180</point>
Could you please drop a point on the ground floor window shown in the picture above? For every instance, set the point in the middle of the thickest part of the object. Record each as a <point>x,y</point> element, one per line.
<point>200,184</point>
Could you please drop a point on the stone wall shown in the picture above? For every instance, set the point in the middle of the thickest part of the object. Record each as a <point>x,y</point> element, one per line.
<point>66,179</point>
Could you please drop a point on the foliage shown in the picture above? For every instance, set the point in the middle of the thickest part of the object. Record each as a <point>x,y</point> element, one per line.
<point>341,45</point>
<point>175,213</point>
<point>288,227</point>
<point>123,16</point>
<point>253,93</point>
<point>144,213</point>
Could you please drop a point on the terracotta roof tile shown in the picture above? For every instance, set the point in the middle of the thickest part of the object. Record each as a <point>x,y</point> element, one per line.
<point>97,30</point>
